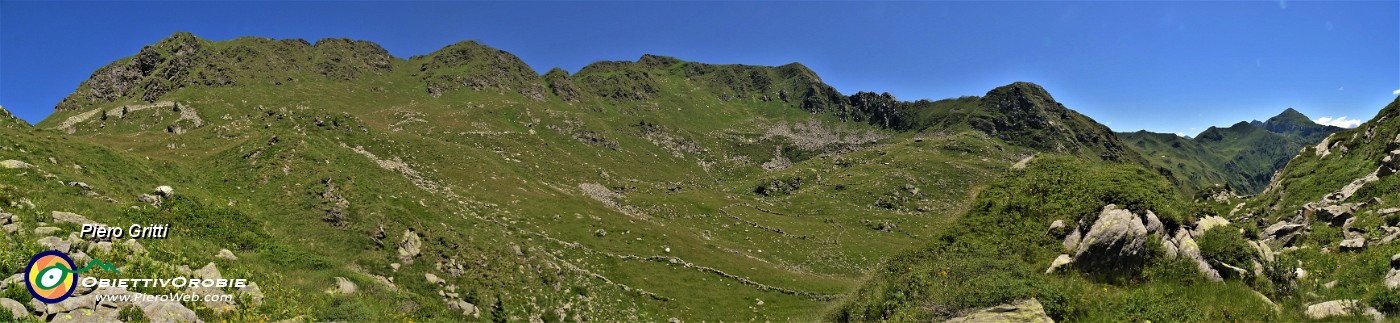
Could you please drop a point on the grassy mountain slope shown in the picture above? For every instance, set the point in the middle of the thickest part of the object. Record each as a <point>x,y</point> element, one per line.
<point>1320,235</point>
<point>627,191</point>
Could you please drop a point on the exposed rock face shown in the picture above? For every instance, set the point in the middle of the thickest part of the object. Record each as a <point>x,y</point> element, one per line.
<point>559,83</point>
<point>1114,242</point>
<point>1027,311</point>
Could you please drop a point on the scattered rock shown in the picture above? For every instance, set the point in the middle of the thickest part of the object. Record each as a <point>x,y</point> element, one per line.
<point>56,243</point>
<point>1353,244</point>
<point>14,164</point>
<point>1265,253</point>
<point>165,191</point>
<point>1023,311</point>
<point>1331,308</point>
<point>252,293</point>
<point>45,231</point>
<point>1060,261</point>
<point>1057,225</point>
<point>1336,214</point>
<point>149,199</point>
<point>81,185</point>
<point>344,286</point>
<point>226,254</point>
<point>467,308</point>
<point>69,217</point>
<point>135,247</point>
<point>209,271</point>
<point>433,279</point>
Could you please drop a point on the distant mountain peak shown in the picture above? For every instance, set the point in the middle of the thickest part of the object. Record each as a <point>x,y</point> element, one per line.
<point>1029,116</point>
<point>1292,122</point>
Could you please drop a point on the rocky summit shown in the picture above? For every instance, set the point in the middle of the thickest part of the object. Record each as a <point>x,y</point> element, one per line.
<point>346,184</point>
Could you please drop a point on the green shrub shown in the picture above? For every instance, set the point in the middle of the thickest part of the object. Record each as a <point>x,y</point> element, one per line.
<point>1224,244</point>
<point>1384,299</point>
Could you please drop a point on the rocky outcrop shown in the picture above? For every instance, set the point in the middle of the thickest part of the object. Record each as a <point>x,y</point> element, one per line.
<point>471,65</point>
<point>1186,247</point>
<point>410,246</point>
<point>1025,114</point>
<point>1114,242</point>
<point>1027,311</point>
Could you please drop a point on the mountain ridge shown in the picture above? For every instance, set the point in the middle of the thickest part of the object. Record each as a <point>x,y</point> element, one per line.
<point>1242,157</point>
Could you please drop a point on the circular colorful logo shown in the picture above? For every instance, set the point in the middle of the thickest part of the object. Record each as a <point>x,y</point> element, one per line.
<point>50,276</point>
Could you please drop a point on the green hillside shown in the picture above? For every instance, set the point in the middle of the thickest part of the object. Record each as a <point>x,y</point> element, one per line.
<point>1316,244</point>
<point>627,191</point>
<point>461,185</point>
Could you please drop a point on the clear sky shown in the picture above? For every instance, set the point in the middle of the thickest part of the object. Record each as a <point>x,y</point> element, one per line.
<point>1174,67</point>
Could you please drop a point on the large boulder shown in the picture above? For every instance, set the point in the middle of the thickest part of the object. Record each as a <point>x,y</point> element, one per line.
<point>14,164</point>
<point>1337,214</point>
<point>1353,244</point>
<point>1028,311</point>
<point>1282,234</point>
<point>1328,309</point>
<point>1116,241</point>
<point>15,309</point>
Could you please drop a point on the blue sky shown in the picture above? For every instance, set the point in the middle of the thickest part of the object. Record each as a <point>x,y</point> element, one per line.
<point>1163,66</point>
